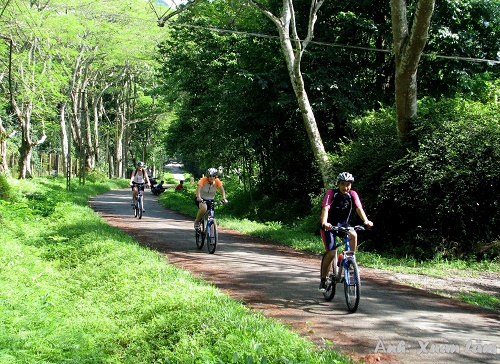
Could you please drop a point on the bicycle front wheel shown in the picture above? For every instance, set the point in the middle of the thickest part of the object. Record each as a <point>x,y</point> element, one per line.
<point>212,236</point>
<point>330,281</point>
<point>352,285</point>
<point>140,204</point>
<point>135,208</point>
<point>200,235</point>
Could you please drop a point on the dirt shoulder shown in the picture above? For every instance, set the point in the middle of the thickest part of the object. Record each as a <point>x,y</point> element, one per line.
<point>395,322</point>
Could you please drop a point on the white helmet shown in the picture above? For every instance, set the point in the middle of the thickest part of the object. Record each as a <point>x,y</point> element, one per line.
<point>212,172</point>
<point>345,176</point>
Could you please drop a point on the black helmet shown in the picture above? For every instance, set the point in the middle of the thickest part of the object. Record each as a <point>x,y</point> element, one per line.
<point>212,172</point>
<point>345,176</point>
<point>140,164</point>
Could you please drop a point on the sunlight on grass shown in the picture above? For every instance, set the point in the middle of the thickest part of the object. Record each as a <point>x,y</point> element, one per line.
<point>74,289</point>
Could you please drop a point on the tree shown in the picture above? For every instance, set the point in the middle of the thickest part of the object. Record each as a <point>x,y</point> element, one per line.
<point>293,49</point>
<point>408,47</point>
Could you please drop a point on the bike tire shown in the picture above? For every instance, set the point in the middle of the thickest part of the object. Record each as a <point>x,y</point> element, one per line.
<point>352,285</point>
<point>200,235</point>
<point>212,236</point>
<point>331,284</point>
<point>135,208</point>
<point>139,208</point>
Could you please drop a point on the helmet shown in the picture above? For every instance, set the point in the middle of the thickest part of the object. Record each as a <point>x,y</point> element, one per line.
<point>212,172</point>
<point>345,176</point>
<point>140,164</point>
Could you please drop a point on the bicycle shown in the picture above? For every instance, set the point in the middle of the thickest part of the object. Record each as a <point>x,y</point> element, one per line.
<point>208,228</point>
<point>139,200</point>
<point>344,269</point>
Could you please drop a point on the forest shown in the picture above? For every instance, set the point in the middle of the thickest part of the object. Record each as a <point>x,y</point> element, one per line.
<point>281,96</point>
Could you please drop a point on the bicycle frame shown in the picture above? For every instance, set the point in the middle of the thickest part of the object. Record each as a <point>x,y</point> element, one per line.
<point>139,201</point>
<point>348,266</point>
<point>208,228</point>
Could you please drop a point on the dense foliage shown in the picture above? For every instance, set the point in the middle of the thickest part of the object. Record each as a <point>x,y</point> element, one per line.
<point>441,198</point>
<point>235,109</point>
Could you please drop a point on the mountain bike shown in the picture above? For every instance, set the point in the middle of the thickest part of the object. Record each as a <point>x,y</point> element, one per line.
<point>344,269</point>
<point>208,228</point>
<point>139,200</point>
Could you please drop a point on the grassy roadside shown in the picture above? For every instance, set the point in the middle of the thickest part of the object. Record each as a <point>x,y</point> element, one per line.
<point>302,240</point>
<point>75,290</point>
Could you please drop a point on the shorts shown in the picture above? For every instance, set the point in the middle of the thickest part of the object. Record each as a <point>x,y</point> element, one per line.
<point>138,185</point>
<point>329,238</point>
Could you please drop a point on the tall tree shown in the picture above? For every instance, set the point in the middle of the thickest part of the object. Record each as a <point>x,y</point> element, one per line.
<point>293,48</point>
<point>408,47</point>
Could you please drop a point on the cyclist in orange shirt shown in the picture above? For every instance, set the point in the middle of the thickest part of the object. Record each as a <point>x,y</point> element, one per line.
<point>207,186</point>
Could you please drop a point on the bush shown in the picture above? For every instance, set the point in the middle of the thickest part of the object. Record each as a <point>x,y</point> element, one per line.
<point>443,197</point>
<point>4,188</point>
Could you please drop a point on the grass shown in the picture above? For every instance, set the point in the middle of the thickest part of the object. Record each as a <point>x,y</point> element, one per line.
<point>75,290</point>
<point>296,238</point>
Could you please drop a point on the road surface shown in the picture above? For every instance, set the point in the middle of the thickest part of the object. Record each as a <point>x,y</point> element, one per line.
<point>394,323</point>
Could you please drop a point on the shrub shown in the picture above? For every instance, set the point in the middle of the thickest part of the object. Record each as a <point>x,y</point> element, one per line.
<point>4,188</point>
<point>443,197</point>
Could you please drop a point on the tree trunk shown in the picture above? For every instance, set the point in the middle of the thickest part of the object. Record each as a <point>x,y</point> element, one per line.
<point>293,49</point>
<point>64,138</point>
<point>408,47</point>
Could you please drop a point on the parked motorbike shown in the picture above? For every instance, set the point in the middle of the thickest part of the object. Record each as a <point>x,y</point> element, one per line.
<point>158,189</point>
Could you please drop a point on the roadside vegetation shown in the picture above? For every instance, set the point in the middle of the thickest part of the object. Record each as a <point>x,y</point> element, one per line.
<point>73,289</point>
<point>300,232</point>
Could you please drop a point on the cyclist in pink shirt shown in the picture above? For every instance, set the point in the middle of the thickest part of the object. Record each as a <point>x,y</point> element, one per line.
<point>336,210</point>
<point>207,186</point>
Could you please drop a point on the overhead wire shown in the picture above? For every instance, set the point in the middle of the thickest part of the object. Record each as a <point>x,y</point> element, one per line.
<point>370,49</point>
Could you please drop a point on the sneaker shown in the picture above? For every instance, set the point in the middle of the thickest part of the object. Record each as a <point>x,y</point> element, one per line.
<point>143,210</point>
<point>322,285</point>
<point>197,225</point>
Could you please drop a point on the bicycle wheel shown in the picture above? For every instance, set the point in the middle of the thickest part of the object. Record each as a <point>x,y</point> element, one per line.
<point>352,285</point>
<point>139,207</point>
<point>135,208</point>
<point>200,235</point>
<point>212,236</point>
<point>330,281</point>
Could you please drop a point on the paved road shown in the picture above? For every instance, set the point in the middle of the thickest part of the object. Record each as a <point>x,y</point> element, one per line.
<point>394,323</point>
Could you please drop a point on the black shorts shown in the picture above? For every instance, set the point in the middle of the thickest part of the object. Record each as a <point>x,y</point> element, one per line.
<point>138,185</point>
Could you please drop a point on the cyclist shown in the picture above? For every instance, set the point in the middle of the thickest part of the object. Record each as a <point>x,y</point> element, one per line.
<point>336,210</point>
<point>207,186</point>
<point>139,175</point>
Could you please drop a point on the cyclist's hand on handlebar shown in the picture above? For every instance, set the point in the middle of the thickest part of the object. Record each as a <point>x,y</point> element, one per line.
<point>199,199</point>
<point>224,201</point>
<point>327,226</point>
<point>368,223</point>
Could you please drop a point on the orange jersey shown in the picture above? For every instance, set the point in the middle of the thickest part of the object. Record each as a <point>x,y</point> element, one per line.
<point>208,190</point>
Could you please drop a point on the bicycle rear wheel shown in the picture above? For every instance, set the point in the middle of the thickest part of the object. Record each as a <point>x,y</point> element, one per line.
<point>352,285</point>
<point>212,236</point>
<point>330,281</point>
<point>200,235</point>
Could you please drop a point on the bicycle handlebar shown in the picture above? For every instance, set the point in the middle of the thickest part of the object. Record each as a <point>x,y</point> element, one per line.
<point>213,201</point>
<point>345,229</point>
<point>140,184</point>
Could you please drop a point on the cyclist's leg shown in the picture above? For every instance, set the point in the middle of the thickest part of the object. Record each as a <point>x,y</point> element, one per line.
<point>134,192</point>
<point>354,239</point>
<point>142,198</point>
<point>329,242</point>
<point>202,208</point>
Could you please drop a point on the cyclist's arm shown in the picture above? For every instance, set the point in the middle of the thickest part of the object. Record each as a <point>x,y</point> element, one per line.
<point>147,179</point>
<point>324,218</point>
<point>223,192</point>
<point>198,192</point>
<point>362,215</point>
<point>132,177</point>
